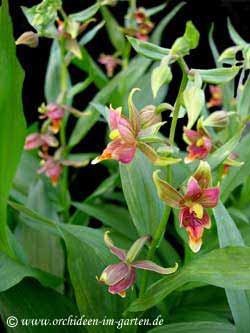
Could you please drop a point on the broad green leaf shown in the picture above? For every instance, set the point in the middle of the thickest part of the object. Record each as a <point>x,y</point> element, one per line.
<point>115,34</point>
<point>222,153</point>
<point>87,257</point>
<point>236,38</point>
<point>12,121</point>
<point>244,101</point>
<point>12,272</point>
<point>29,300</point>
<point>147,49</point>
<point>139,190</point>
<point>187,42</point>
<point>85,14</point>
<point>25,175</point>
<point>112,216</point>
<point>52,86</point>
<point>196,327</point>
<point>229,235</point>
<point>214,268</point>
<point>218,75</point>
<point>44,251</point>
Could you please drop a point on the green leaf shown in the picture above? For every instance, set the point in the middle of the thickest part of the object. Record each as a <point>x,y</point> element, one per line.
<point>215,267</point>
<point>147,49</point>
<point>116,36</point>
<point>237,175</point>
<point>160,75</point>
<point>87,257</point>
<point>112,216</point>
<point>91,34</point>
<point>44,251</point>
<point>29,300</point>
<point>12,120</point>
<point>139,190</point>
<point>218,75</point>
<point>236,38</point>
<point>213,46</point>
<point>196,327</point>
<point>222,153</point>
<point>154,10</point>
<point>52,86</point>
<point>12,272</point>
<point>229,235</point>
<point>187,42</point>
<point>244,101</point>
<point>85,14</point>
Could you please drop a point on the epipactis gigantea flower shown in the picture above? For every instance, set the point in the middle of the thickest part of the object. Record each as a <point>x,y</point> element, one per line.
<point>127,135</point>
<point>37,140</point>
<point>199,143</point>
<point>52,166</point>
<point>110,62</point>
<point>199,195</point>
<point>229,162</point>
<point>121,276</point>
<point>216,96</point>
<point>55,113</point>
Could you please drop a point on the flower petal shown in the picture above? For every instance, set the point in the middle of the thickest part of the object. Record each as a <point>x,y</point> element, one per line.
<point>114,117</point>
<point>209,197</point>
<point>124,284</point>
<point>117,150</point>
<point>120,253</point>
<point>166,192</point>
<point>151,266</point>
<point>133,113</point>
<point>114,273</point>
<point>126,131</point>
<point>136,247</point>
<point>33,141</point>
<point>193,187</point>
<point>203,175</point>
<point>190,136</point>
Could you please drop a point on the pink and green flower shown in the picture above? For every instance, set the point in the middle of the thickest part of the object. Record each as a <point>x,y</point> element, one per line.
<point>192,204</point>
<point>121,276</point>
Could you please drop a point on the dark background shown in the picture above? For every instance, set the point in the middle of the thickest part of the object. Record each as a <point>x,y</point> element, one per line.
<point>201,12</point>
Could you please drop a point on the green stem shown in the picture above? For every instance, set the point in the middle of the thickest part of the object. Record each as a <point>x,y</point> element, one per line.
<point>177,106</point>
<point>157,238</point>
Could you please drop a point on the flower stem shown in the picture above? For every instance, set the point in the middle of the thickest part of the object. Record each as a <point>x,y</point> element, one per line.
<point>157,238</point>
<point>177,106</point>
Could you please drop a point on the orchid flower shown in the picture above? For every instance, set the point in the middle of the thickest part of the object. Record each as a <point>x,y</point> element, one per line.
<point>199,143</point>
<point>55,113</point>
<point>36,140</point>
<point>52,166</point>
<point>229,162</point>
<point>199,195</point>
<point>127,135</point>
<point>216,96</point>
<point>121,276</point>
<point>110,62</point>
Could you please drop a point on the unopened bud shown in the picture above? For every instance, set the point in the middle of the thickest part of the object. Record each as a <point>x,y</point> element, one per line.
<point>217,119</point>
<point>149,116</point>
<point>28,38</point>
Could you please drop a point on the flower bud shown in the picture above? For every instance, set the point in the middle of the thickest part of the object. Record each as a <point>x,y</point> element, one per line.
<point>217,119</point>
<point>149,116</point>
<point>28,38</point>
